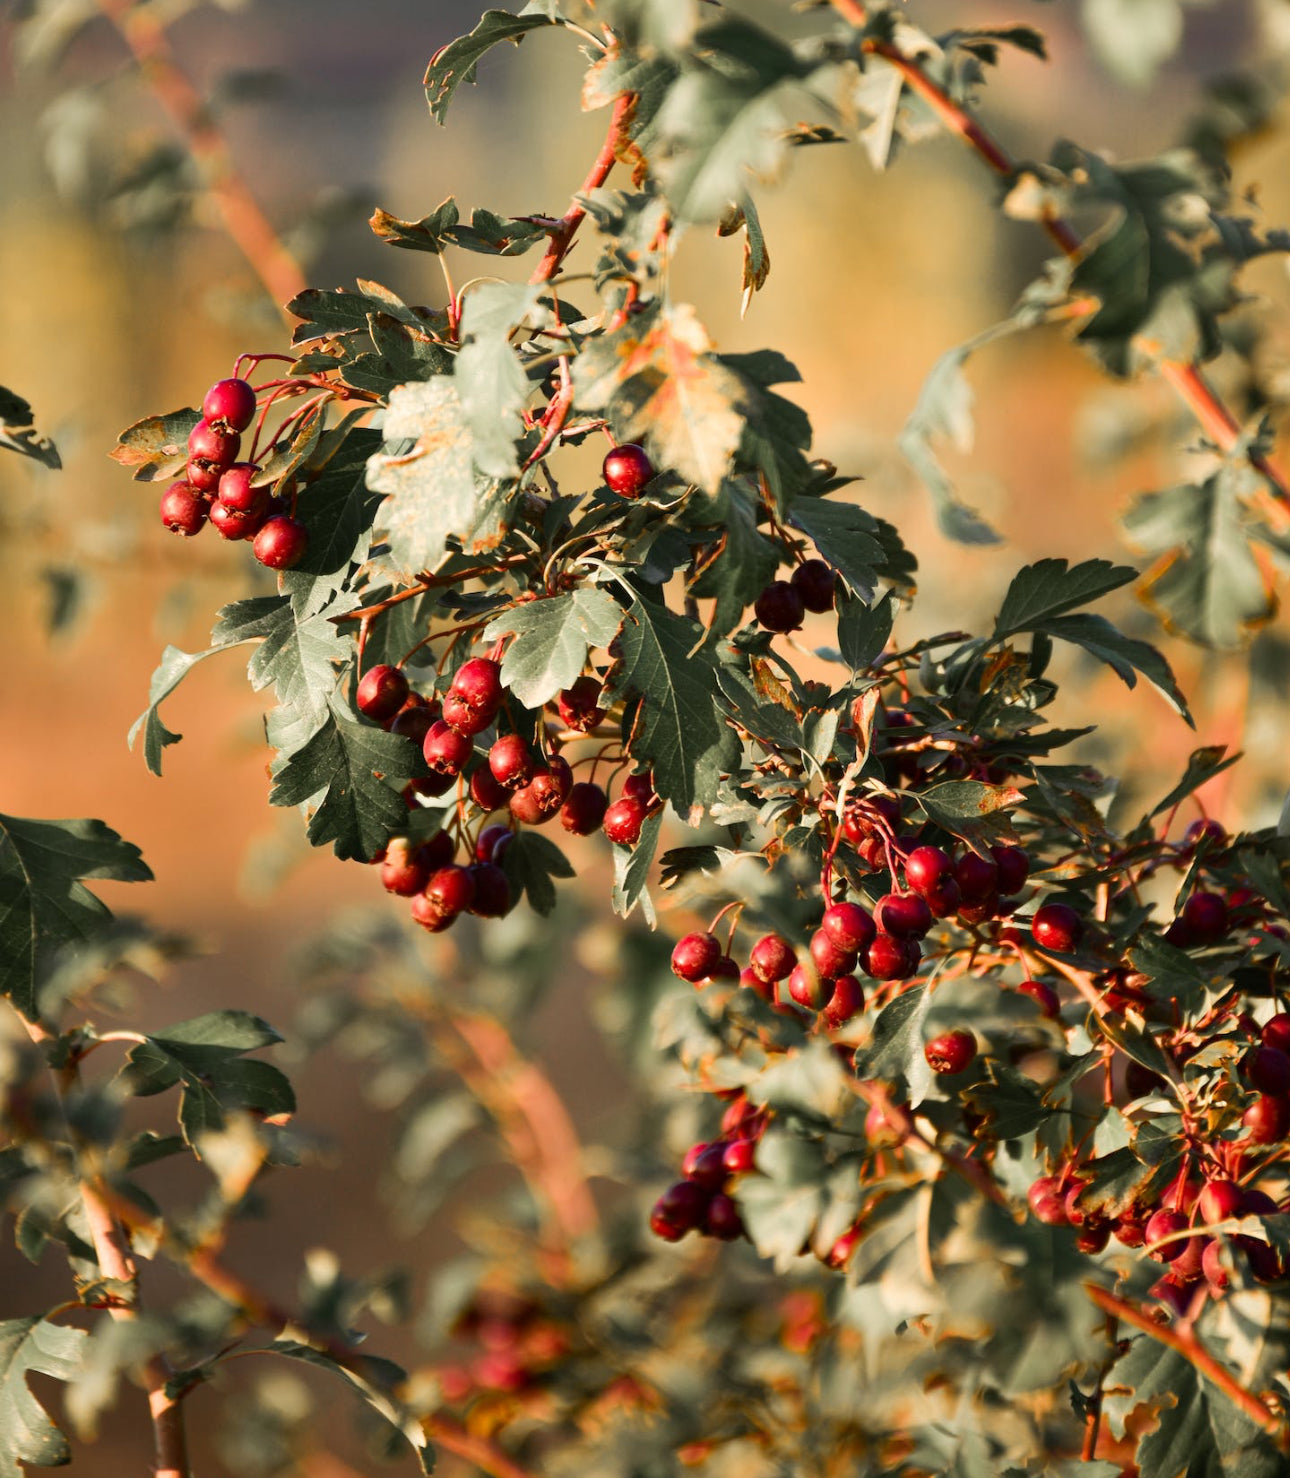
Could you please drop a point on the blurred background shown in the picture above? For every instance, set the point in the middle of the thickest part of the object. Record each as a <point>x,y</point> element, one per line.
<point>122,296</point>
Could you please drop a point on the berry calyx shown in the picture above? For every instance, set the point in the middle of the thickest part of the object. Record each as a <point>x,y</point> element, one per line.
<point>465,718</point>
<point>695,956</point>
<point>382,691</point>
<point>952,1052</point>
<point>479,683</point>
<point>281,543</point>
<point>815,582</point>
<point>216,444</point>
<point>511,761</point>
<point>229,403</point>
<point>579,705</point>
<point>1058,927</point>
<point>238,492</point>
<point>779,607</point>
<point>183,509</point>
<point>623,821</point>
<point>445,750</point>
<point>231,524</point>
<point>584,808</point>
<point>627,470</point>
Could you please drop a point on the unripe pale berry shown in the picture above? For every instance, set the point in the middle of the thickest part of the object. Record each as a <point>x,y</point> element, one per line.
<point>951,1052</point>
<point>281,543</point>
<point>623,822</point>
<point>695,955</point>
<point>183,510</point>
<point>779,607</point>
<point>627,469</point>
<point>382,691</point>
<point>230,403</point>
<point>1058,927</point>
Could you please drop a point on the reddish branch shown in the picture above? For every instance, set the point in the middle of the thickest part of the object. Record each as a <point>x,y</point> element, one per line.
<point>1185,1343</point>
<point>1186,379</point>
<point>243,219</point>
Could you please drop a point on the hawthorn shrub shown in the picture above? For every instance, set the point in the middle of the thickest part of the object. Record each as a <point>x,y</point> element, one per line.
<point>968,1110</point>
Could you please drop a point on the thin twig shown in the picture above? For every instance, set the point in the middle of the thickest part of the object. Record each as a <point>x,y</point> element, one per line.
<point>562,233</point>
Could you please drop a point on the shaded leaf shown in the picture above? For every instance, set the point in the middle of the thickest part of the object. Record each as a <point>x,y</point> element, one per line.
<point>33,1346</point>
<point>552,639</point>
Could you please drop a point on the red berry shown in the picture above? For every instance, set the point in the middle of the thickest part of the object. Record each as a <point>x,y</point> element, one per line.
<point>183,510</point>
<point>551,785</point>
<point>230,403</point>
<point>951,1052</point>
<point>814,582</point>
<point>750,980</point>
<point>281,543</point>
<point>829,959</point>
<point>1276,1032</point>
<point>1219,1200</point>
<point>1014,869</point>
<point>705,1165</point>
<point>1205,917</point>
<point>207,443</point>
<point>1129,1231</point>
<point>843,1249</point>
<point>486,793</point>
<point>849,926</point>
<point>1047,1199</point>
<point>905,914</point>
<point>1075,1213</point>
<point>584,808</point>
<point>492,891</point>
<point>203,476</point>
<point>382,691</point>
<point>492,841</point>
<point>526,807</point>
<point>1058,927</point>
<point>640,787</point>
<point>925,867</point>
<point>445,750</point>
<point>779,607</point>
<point>944,898</point>
<point>739,1156</point>
<point>406,869</point>
<point>685,1201</point>
<point>723,1220</point>
<point>439,850</point>
<point>724,969</point>
<point>479,683</point>
<point>451,890</point>
<point>977,878</point>
<point>511,761</point>
<point>230,523</point>
<point>1212,833</point>
<point>578,705</point>
<point>427,787</point>
<point>626,470</point>
<point>238,492</point>
<point>846,1001</point>
<point>890,958</point>
<point>1211,1264</point>
<point>426,912</point>
<point>806,987</point>
<point>978,910</point>
<point>1044,996</point>
<point>1267,1069</point>
<point>695,956</point>
<point>623,822</point>
<point>414,720</point>
<point>1164,1224</point>
<point>773,958</point>
<point>464,718</point>
<point>1093,1236</point>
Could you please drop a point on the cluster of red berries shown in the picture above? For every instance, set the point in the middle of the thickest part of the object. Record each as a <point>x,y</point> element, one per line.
<point>783,605</point>
<point>219,489</point>
<point>517,1344</point>
<point>700,1202</point>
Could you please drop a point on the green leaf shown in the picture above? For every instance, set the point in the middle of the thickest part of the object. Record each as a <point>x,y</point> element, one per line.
<point>346,774</point>
<point>631,871</point>
<point>337,508</point>
<point>173,668</point>
<point>776,439</point>
<point>530,862</point>
<point>970,809</point>
<point>781,1205</point>
<point>44,905</point>
<point>490,381</point>
<point>1202,765</point>
<point>18,434</point>
<point>1172,975</point>
<point>843,533</point>
<point>157,446</point>
<point>1133,37</point>
<point>678,728</point>
<point>432,495</point>
<point>1125,655</point>
<point>27,1347</point>
<point>895,1051</point>
<point>430,233</point>
<point>300,658</point>
<point>722,122</point>
<point>552,639</point>
<point>741,565</point>
<point>1049,588</point>
<point>863,631</point>
<point>455,63</point>
<point>743,217</point>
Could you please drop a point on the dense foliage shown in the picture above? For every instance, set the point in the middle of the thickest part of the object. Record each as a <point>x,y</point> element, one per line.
<point>984,1089</point>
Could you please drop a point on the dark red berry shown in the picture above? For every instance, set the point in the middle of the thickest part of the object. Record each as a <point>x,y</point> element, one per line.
<point>486,793</point>
<point>1267,1069</point>
<point>977,878</point>
<point>406,868</point>
<point>705,1165</point>
<point>238,492</point>
<point>626,470</point>
<point>1212,833</point>
<point>846,1001</point>
<point>1267,1119</point>
<point>427,787</point>
<point>551,784</point>
<point>844,1248</point>
<point>725,969</point>
<point>723,1220</point>
<point>684,1205</point>
<point>1205,916</point>
<point>451,889</point>
<point>890,958</point>
<point>815,582</point>
<point>1014,869</point>
<point>1093,1236</point>
<point>623,822</point>
<point>445,750</point>
<point>695,955</point>
<point>492,841</point>
<point>584,809</point>
<point>464,718</point>
<point>414,720</point>
<point>779,607</point>
<point>1044,996</point>
<point>281,543</point>
<point>511,761</point>
<point>773,958</point>
<point>479,683</point>
<point>230,403</point>
<point>925,867</point>
<point>1276,1032</point>
<point>183,509</point>
<point>579,705</point>
<point>525,806</point>
<point>1047,1199</point>
<point>207,443</point>
<point>382,691</point>
<point>1129,1231</point>
<point>829,959</point>
<point>978,910</point>
<point>951,1052</point>
<point>944,899</point>
<point>806,987</point>
<point>640,787</point>
<point>905,914</point>
<point>1058,927</point>
<point>439,850</point>
<point>426,912</point>
<point>492,896</point>
<point>849,926</point>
